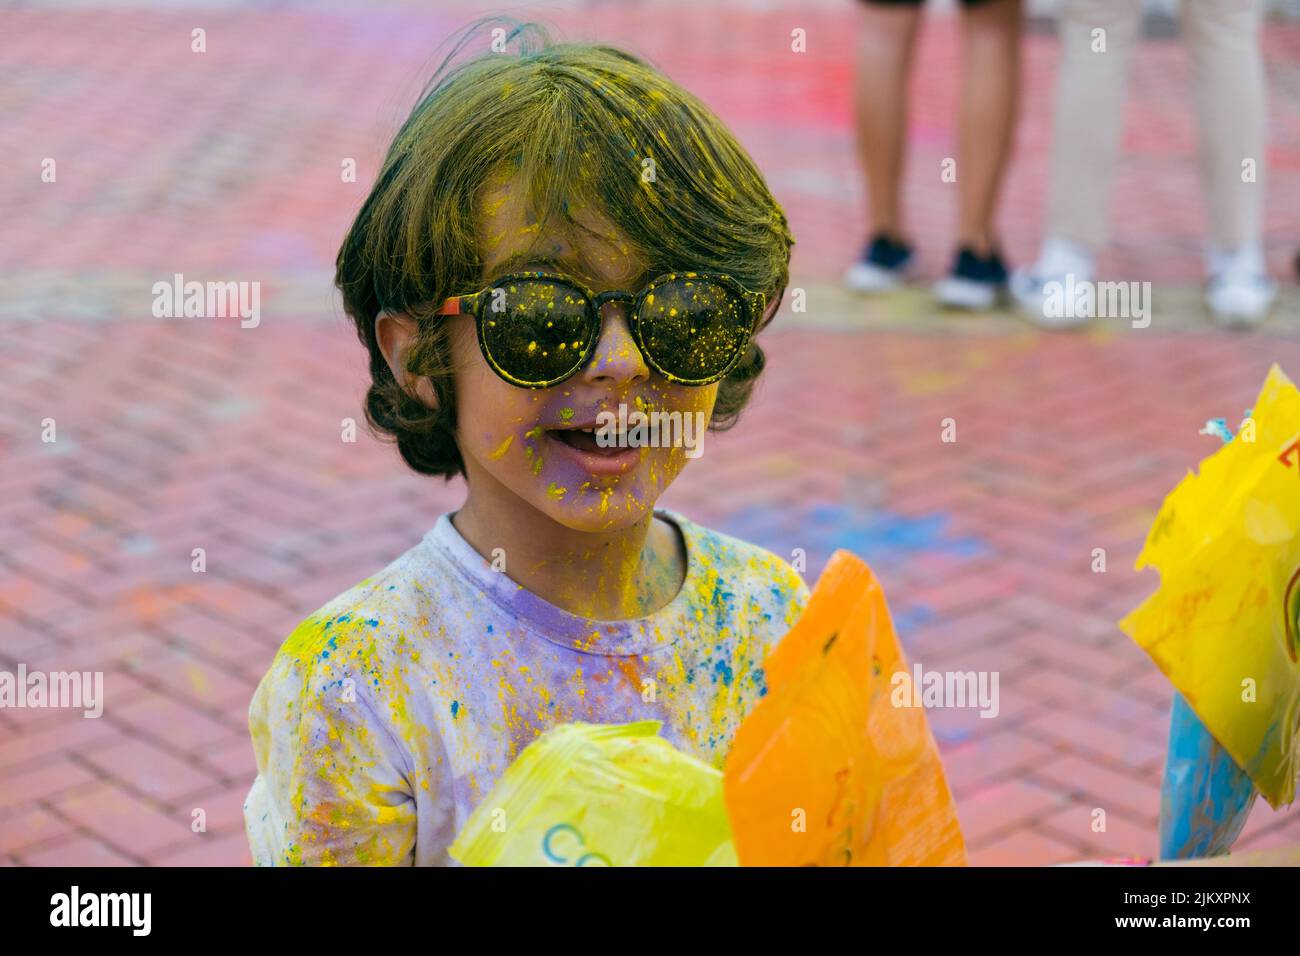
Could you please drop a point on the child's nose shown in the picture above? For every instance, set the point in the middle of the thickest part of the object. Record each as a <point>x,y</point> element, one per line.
<point>617,362</point>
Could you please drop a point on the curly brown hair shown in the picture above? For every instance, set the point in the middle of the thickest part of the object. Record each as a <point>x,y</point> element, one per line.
<point>574,122</point>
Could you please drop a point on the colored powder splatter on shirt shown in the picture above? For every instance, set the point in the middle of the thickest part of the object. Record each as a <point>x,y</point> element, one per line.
<point>390,713</point>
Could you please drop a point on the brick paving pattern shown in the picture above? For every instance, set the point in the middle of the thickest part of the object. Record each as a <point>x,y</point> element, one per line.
<point>181,434</point>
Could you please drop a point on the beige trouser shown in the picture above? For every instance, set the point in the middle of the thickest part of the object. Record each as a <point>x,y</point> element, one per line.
<point>1228,90</point>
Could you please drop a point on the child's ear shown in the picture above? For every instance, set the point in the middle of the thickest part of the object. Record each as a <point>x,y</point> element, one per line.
<point>770,312</point>
<point>395,333</point>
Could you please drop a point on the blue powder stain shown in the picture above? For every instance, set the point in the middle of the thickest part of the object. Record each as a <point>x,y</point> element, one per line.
<point>373,622</point>
<point>489,628</point>
<point>910,618</point>
<point>877,536</point>
<point>954,735</point>
<point>344,618</point>
<point>455,709</point>
<point>723,670</point>
<point>139,545</point>
<point>880,533</point>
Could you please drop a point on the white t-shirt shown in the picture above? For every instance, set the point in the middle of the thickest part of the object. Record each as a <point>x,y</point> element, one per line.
<point>390,713</point>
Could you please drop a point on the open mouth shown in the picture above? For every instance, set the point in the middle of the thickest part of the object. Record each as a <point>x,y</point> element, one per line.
<point>584,440</point>
<point>581,447</point>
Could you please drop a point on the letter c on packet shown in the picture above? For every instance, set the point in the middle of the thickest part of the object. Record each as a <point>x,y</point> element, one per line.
<point>546,841</point>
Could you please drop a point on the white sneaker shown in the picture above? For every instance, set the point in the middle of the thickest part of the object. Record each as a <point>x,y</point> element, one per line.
<point>1060,261</point>
<point>886,264</point>
<point>867,277</point>
<point>955,292</point>
<point>1239,293</point>
<point>975,283</point>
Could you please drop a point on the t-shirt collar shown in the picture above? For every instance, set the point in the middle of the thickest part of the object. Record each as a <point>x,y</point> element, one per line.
<point>633,637</point>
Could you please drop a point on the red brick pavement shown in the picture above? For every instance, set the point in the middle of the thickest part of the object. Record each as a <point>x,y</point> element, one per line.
<point>183,434</point>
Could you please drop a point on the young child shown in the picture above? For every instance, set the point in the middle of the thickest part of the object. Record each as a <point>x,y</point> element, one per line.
<point>554,234</point>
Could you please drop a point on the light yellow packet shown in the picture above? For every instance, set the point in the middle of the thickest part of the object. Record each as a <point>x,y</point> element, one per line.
<point>601,795</point>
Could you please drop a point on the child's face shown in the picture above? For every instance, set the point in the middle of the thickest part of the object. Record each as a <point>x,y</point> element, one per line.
<point>522,441</point>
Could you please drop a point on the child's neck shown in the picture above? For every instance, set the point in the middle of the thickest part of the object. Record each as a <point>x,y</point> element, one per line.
<point>609,575</point>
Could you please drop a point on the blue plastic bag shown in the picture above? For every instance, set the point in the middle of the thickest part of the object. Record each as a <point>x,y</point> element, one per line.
<point>1206,797</point>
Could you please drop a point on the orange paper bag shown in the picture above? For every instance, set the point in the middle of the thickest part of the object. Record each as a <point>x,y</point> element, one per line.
<point>825,770</point>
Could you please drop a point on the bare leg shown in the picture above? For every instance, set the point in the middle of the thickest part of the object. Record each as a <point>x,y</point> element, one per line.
<point>885,43</point>
<point>989,100</point>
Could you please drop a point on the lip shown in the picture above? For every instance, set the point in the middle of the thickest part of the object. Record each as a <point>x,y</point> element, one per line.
<point>619,462</point>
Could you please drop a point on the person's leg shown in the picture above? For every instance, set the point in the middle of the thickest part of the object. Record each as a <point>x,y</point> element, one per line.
<point>886,39</point>
<point>1097,39</point>
<point>1230,93</point>
<point>989,98</point>
<point>989,92</point>
<point>1097,42</point>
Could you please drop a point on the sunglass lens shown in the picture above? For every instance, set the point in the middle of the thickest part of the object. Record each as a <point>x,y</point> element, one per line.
<point>693,328</point>
<point>536,330</point>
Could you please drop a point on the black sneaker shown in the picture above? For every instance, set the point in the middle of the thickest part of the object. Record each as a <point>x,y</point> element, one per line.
<point>976,282</point>
<point>884,265</point>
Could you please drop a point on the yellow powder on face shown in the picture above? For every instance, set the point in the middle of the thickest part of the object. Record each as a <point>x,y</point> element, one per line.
<point>533,434</point>
<point>502,448</point>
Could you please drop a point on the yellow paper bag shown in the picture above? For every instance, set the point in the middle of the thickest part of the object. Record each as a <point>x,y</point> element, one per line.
<point>600,795</point>
<point>826,770</point>
<point>1222,627</point>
